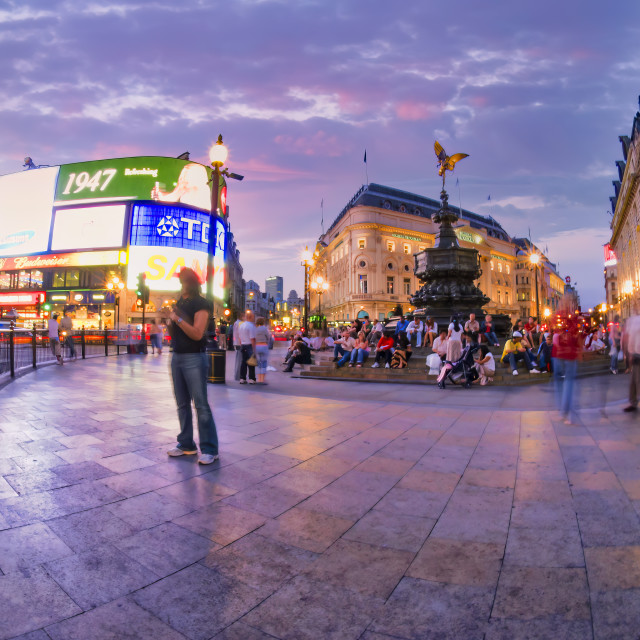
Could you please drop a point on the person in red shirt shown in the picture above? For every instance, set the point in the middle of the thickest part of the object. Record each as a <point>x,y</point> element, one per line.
<point>566,352</point>
<point>384,349</point>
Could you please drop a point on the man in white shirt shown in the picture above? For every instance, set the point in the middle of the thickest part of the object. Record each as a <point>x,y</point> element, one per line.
<point>416,326</point>
<point>247,348</point>
<point>54,337</point>
<point>237,345</point>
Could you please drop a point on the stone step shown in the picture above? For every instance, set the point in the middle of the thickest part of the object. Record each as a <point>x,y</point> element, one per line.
<point>418,375</point>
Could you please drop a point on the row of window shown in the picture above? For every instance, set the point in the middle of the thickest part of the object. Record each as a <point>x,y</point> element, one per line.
<point>55,279</point>
<point>343,251</point>
<point>363,285</point>
<point>507,267</point>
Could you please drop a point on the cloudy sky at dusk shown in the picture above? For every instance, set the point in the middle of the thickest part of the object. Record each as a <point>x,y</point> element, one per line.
<point>536,92</point>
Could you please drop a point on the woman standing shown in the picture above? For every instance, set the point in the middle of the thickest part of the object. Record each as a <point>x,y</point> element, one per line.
<point>189,321</point>
<point>263,336</point>
<point>454,340</point>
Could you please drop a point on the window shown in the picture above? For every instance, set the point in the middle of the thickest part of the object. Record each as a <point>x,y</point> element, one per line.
<point>390,266</point>
<point>390,283</point>
<point>407,249</point>
<point>506,297</point>
<point>23,279</point>
<point>391,246</point>
<point>58,279</point>
<point>381,316</point>
<point>499,297</point>
<point>5,280</point>
<point>362,264</point>
<point>407,286</point>
<point>499,266</point>
<point>491,263</point>
<point>362,284</point>
<point>508,268</point>
<point>362,243</point>
<point>407,267</point>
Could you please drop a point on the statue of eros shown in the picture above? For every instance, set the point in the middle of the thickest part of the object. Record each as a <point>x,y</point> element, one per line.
<point>445,162</point>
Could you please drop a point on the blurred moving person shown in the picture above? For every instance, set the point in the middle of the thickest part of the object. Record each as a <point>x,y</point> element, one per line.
<point>54,337</point>
<point>631,344</point>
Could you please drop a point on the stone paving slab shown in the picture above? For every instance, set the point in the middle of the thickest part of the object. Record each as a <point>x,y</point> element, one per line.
<point>337,510</point>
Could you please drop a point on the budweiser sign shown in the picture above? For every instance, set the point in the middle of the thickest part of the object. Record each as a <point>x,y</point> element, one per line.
<point>84,259</point>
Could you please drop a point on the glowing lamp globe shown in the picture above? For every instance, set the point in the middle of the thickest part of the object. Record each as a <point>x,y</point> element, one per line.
<point>534,258</point>
<point>218,152</point>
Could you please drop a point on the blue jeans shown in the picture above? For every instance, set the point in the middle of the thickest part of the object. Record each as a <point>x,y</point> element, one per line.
<point>262,354</point>
<point>345,358</point>
<point>359,355</point>
<point>189,374</point>
<point>338,350</point>
<point>520,355</point>
<point>564,386</point>
<point>491,337</point>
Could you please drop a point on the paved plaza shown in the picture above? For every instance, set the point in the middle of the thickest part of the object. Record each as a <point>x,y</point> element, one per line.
<point>337,510</point>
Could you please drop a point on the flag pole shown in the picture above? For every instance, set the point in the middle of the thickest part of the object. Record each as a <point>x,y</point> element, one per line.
<point>366,171</point>
<point>459,196</point>
<point>322,218</point>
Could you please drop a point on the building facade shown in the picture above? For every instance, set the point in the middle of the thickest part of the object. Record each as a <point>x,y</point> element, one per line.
<point>625,225</point>
<point>367,255</point>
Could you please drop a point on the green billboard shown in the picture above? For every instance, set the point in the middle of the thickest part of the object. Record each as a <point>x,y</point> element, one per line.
<point>138,178</point>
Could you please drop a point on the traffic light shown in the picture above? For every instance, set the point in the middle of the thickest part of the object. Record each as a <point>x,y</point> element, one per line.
<point>141,284</point>
<point>145,294</point>
<point>139,303</point>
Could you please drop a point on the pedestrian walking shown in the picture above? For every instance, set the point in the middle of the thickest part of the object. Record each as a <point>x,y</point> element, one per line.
<point>189,321</point>
<point>631,345</point>
<point>53,327</point>
<point>263,338</point>
<point>156,335</point>
<point>66,327</point>
<point>568,351</point>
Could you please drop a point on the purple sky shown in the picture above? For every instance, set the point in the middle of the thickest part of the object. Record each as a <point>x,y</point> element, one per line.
<point>536,92</point>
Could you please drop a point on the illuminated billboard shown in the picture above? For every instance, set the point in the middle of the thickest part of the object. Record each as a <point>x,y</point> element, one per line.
<point>168,180</point>
<point>163,264</point>
<point>25,211</point>
<point>94,227</point>
<point>155,225</point>
<point>610,259</point>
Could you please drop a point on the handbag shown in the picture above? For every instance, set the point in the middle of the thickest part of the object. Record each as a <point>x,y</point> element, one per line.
<point>252,361</point>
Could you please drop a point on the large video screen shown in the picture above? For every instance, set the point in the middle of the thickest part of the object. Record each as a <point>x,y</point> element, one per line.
<point>163,264</point>
<point>97,227</point>
<point>25,211</point>
<point>167,180</point>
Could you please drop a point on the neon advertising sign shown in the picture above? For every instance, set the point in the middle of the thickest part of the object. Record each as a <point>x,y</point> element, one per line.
<point>165,239</point>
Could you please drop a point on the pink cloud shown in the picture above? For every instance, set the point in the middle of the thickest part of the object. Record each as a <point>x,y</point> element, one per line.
<point>319,144</point>
<point>259,169</point>
<point>409,110</point>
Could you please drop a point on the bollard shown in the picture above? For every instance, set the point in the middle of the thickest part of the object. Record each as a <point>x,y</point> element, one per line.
<point>106,342</point>
<point>217,366</point>
<point>12,350</point>
<point>33,347</point>
<point>83,342</point>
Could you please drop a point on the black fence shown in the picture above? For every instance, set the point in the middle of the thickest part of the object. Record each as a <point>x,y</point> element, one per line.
<point>21,349</point>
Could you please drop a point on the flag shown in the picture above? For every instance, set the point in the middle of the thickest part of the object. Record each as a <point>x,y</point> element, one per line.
<point>489,198</point>
<point>365,156</point>
<point>457,182</point>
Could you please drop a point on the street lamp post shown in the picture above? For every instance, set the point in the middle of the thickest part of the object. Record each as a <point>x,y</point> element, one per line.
<point>320,286</point>
<point>534,258</point>
<point>218,156</point>
<point>116,285</point>
<point>307,261</point>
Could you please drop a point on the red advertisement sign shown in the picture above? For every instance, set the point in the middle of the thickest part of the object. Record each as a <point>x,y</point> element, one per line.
<point>17,299</point>
<point>609,256</point>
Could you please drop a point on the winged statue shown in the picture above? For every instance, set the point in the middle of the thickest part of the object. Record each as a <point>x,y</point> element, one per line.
<point>445,162</point>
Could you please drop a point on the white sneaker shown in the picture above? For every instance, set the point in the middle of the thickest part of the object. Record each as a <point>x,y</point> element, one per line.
<point>534,370</point>
<point>375,365</point>
<point>514,372</point>
<point>177,451</point>
<point>207,458</point>
<point>387,366</point>
<point>243,382</point>
<point>252,381</point>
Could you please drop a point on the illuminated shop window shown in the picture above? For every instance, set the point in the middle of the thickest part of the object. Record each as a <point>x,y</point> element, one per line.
<point>37,279</point>
<point>5,280</point>
<point>58,279</point>
<point>73,278</point>
<point>24,279</point>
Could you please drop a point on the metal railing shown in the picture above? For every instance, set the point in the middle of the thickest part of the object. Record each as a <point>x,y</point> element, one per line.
<point>29,348</point>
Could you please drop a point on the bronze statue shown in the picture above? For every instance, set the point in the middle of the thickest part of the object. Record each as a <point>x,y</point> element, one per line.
<point>445,162</point>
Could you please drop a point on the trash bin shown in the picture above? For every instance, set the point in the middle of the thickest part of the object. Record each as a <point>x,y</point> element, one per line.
<point>217,366</point>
